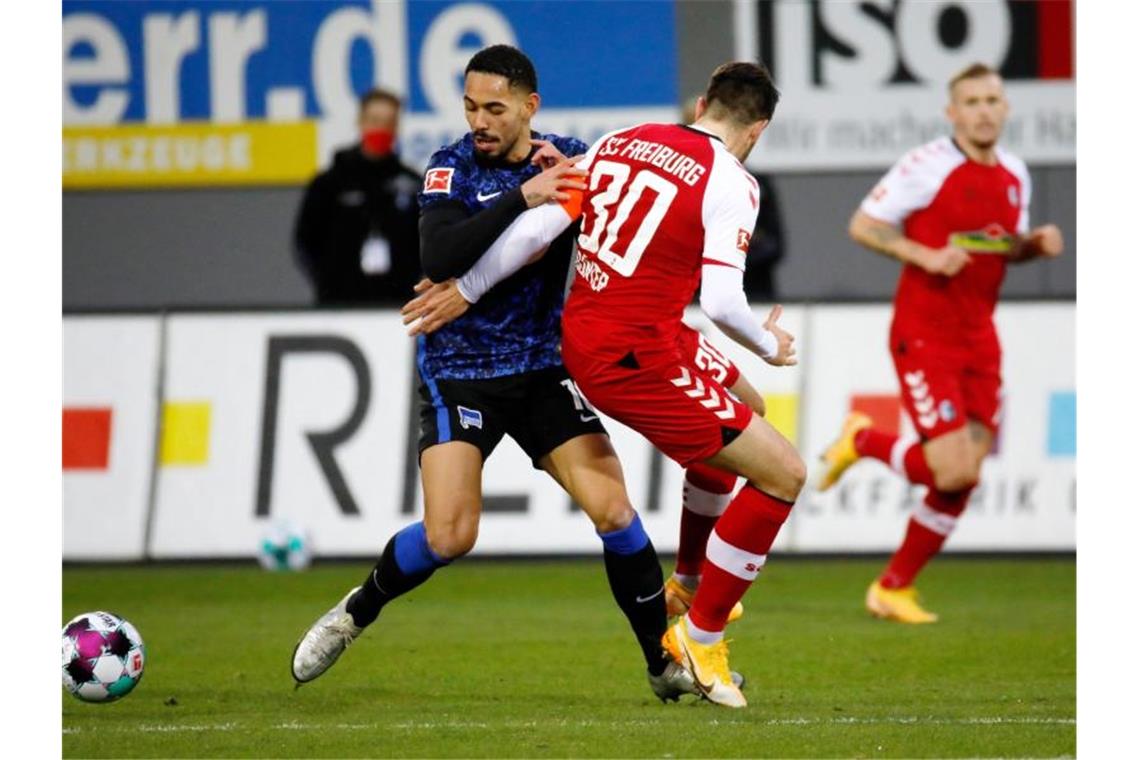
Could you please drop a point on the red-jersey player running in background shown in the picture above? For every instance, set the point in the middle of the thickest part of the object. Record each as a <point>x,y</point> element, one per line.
<point>954,211</point>
<point>668,207</point>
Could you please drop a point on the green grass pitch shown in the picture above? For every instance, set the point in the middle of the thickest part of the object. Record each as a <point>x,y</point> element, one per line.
<point>533,659</point>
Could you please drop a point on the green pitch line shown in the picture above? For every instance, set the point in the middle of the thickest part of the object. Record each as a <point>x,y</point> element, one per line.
<point>532,659</point>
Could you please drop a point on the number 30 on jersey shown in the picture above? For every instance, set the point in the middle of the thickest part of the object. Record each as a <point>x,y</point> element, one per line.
<point>601,234</point>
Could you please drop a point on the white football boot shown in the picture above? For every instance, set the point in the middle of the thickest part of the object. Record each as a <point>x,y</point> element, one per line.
<point>675,681</point>
<point>324,642</point>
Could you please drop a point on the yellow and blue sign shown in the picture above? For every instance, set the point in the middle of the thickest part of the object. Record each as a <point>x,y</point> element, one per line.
<point>173,92</point>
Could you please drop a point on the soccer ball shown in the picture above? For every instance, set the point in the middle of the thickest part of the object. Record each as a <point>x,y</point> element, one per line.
<point>284,546</point>
<point>103,657</point>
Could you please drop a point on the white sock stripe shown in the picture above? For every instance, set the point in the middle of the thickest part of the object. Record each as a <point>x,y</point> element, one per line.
<point>703,502</point>
<point>898,455</point>
<point>742,564</point>
<point>939,522</point>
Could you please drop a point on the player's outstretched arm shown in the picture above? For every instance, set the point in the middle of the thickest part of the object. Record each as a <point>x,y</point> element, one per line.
<point>723,300</point>
<point>887,239</point>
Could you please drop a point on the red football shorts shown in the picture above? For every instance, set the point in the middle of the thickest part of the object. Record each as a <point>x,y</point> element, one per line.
<point>669,395</point>
<point>944,384</point>
<point>706,356</point>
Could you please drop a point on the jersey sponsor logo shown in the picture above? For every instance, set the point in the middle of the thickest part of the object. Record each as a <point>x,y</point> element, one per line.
<point>947,411</point>
<point>469,418</point>
<point>438,180</point>
<point>484,198</point>
<point>1012,192</point>
<point>992,239</point>
<point>743,240</point>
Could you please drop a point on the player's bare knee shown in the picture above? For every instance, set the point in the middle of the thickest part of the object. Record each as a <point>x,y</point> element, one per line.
<point>452,539</point>
<point>955,476</point>
<point>796,473</point>
<point>616,515</point>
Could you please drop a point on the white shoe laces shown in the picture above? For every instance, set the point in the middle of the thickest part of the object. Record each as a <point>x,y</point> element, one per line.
<point>342,631</point>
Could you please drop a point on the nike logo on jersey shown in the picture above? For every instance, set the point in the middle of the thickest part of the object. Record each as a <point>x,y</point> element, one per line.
<point>484,198</point>
<point>651,596</point>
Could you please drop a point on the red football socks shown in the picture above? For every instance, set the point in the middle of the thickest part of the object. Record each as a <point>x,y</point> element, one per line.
<point>926,531</point>
<point>704,497</point>
<point>737,549</point>
<point>879,445</point>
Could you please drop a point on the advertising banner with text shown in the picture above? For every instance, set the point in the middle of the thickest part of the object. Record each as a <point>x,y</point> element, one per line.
<point>311,418</point>
<point>217,92</point>
<point>862,83</point>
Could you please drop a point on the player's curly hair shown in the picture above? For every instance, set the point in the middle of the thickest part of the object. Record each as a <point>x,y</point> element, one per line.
<point>742,92</point>
<point>506,61</point>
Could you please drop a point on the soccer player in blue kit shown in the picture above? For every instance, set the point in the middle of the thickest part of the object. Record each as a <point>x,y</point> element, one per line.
<point>497,370</point>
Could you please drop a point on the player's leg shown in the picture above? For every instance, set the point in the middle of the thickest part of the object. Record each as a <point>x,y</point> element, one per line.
<point>588,469</point>
<point>563,435</point>
<point>705,491</point>
<point>737,549</point>
<point>452,450</point>
<point>739,544</point>
<point>954,454</point>
<point>451,475</point>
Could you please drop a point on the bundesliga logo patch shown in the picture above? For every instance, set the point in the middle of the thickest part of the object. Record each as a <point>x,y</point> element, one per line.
<point>438,180</point>
<point>743,240</point>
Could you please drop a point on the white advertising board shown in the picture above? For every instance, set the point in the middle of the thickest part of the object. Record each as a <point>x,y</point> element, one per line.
<point>310,417</point>
<point>110,397</point>
<point>1026,499</point>
<point>306,422</point>
<point>862,83</point>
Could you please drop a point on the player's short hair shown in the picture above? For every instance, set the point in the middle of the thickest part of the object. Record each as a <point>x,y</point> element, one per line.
<point>506,61</point>
<point>742,92</point>
<point>973,71</point>
<point>379,95</point>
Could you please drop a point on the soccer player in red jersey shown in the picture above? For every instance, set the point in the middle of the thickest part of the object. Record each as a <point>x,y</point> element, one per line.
<point>954,211</point>
<point>669,207</point>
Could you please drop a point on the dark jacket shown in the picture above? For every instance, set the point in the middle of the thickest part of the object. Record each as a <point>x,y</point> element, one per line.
<point>354,199</point>
<point>767,246</point>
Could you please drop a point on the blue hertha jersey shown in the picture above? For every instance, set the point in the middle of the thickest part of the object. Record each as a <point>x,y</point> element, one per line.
<point>515,327</point>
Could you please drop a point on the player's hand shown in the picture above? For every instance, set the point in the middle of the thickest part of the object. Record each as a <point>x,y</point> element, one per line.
<point>1047,241</point>
<point>947,261</point>
<point>786,351</point>
<point>436,305</point>
<point>553,184</point>
<point>547,155</point>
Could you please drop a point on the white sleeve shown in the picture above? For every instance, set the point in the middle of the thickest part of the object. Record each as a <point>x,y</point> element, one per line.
<point>1018,168</point>
<point>911,183</point>
<point>728,212</point>
<point>524,240</point>
<point>723,300</point>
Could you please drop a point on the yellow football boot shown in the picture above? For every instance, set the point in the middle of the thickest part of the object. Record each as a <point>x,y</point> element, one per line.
<point>841,454</point>
<point>707,663</point>
<point>900,604</point>
<point>679,597</point>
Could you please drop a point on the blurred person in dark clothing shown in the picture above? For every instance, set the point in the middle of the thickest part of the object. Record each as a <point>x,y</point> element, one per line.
<point>357,233</point>
<point>767,246</point>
